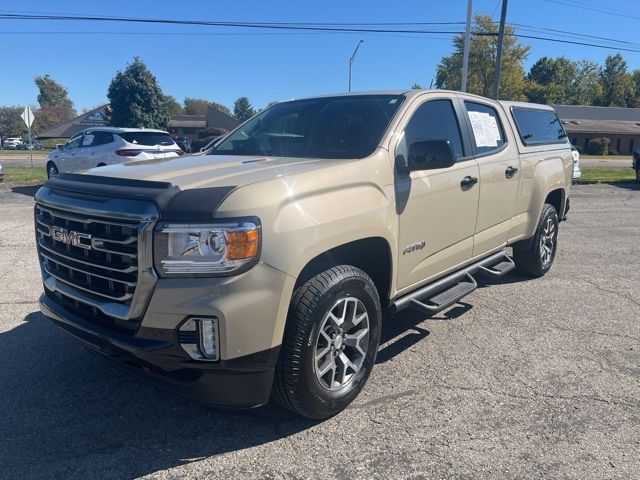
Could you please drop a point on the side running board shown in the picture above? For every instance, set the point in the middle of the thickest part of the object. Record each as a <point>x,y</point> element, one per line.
<point>447,291</point>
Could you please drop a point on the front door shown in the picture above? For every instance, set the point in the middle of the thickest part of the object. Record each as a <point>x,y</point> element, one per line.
<point>437,208</point>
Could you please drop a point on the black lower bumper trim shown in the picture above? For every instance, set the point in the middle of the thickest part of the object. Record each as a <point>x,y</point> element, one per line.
<point>155,356</point>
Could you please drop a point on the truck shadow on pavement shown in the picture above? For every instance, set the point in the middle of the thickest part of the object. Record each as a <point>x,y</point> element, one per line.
<point>68,414</point>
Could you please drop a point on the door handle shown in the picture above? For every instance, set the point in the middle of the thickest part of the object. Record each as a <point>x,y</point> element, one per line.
<point>468,181</point>
<point>510,172</point>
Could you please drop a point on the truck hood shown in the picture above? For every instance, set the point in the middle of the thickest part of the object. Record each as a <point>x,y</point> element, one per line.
<point>211,170</point>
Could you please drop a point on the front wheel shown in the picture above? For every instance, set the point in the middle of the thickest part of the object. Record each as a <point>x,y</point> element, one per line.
<point>637,175</point>
<point>330,344</point>
<point>535,256</point>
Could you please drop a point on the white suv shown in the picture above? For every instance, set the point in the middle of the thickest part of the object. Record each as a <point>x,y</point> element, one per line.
<point>98,147</point>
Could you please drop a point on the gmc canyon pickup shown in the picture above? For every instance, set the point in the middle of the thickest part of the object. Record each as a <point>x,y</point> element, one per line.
<point>262,269</point>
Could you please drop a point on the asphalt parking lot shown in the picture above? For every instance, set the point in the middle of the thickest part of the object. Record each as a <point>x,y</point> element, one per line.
<point>526,379</point>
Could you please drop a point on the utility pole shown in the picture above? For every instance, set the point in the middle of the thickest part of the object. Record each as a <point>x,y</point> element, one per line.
<point>353,57</point>
<point>467,38</point>
<point>496,76</point>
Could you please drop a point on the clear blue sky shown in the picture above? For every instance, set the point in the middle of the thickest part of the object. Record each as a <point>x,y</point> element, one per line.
<point>267,66</point>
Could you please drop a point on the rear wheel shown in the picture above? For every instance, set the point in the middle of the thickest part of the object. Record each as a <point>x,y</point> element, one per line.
<point>637,175</point>
<point>535,256</point>
<point>52,170</point>
<point>330,343</point>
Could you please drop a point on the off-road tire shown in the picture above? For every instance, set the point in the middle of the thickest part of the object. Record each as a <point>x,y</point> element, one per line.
<point>528,253</point>
<point>296,386</point>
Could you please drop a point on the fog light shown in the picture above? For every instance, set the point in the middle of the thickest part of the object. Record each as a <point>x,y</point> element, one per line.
<point>209,337</point>
<point>199,338</point>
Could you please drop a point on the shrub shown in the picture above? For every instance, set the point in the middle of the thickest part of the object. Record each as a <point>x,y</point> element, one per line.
<point>612,152</point>
<point>598,146</point>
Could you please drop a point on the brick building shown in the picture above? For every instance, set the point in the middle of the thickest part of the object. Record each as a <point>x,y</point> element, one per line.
<point>584,123</point>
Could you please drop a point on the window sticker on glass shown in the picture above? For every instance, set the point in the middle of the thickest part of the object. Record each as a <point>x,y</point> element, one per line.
<point>485,129</point>
<point>87,140</point>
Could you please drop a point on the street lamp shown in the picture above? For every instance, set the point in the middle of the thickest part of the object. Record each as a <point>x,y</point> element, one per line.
<point>352,59</point>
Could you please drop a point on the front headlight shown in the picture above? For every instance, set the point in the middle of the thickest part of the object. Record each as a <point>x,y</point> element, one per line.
<point>210,249</point>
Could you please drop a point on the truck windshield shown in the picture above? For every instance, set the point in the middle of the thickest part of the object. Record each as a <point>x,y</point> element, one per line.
<point>331,127</point>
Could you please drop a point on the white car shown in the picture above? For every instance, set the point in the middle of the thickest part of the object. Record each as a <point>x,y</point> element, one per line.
<point>11,143</point>
<point>101,146</point>
<point>577,173</point>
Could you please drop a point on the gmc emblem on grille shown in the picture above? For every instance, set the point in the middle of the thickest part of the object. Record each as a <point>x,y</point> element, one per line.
<point>71,238</point>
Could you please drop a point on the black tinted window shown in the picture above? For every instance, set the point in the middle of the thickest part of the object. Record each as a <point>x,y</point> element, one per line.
<point>486,128</point>
<point>538,126</point>
<point>97,138</point>
<point>333,127</point>
<point>435,120</point>
<point>147,138</point>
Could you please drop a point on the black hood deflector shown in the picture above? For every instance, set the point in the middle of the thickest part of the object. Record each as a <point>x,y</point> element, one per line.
<point>197,204</point>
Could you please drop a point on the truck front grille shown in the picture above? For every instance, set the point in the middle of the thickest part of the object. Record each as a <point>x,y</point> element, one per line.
<point>107,269</point>
<point>94,263</point>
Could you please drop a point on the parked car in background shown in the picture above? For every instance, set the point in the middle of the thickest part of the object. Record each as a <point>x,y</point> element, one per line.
<point>99,147</point>
<point>577,173</point>
<point>11,143</point>
<point>24,145</point>
<point>636,164</point>
<point>1,173</point>
<point>184,143</point>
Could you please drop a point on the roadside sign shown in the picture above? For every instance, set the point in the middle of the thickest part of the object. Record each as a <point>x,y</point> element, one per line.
<point>27,116</point>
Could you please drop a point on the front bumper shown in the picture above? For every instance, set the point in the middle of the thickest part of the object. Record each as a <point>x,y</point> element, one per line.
<point>154,355</point>
<point>251,309</point>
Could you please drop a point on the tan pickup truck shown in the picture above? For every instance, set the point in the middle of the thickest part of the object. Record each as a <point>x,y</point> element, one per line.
<point>262,269</point>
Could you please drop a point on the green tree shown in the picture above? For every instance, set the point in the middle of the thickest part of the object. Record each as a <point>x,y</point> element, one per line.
<point>482,58</point>
<point>55,105</point>
<point>416,86</point>
<point>10,121</point>
<point>173,107</point>
<point>618,88</point>
<point>199,106</point>
<point>135,98</point>
<point>195,106</point>
<point>587,88</point>
<point>242,109</point>
<point>551,81</point>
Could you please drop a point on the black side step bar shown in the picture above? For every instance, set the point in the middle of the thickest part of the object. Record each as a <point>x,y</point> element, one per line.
<point>447,291</point>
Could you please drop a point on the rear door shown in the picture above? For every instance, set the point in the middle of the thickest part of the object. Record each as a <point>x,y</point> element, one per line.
<point>436,208</point>
<point>499,165</point>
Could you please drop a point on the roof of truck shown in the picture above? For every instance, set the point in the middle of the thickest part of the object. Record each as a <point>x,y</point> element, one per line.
<point>416,91</point>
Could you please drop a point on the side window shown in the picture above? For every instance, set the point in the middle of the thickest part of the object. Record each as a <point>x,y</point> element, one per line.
<point>101,138</point>
<point>75,142</point>
<point>538,127</point>
<point>88,139</point>
<point>486,127</point>
<point>435,120</point>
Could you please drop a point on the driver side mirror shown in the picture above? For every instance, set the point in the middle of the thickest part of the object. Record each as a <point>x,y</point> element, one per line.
<point>431,154</point>
<point>60,146</point>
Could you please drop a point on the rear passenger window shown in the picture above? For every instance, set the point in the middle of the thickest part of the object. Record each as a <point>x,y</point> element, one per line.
<point>435,120</point>
<point>538,126</point>
<point>486,128</point>
<point>101,138</point>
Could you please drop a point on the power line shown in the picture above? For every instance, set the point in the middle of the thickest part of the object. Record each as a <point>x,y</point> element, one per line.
<point>314,28</point>
<point>591,7</point>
